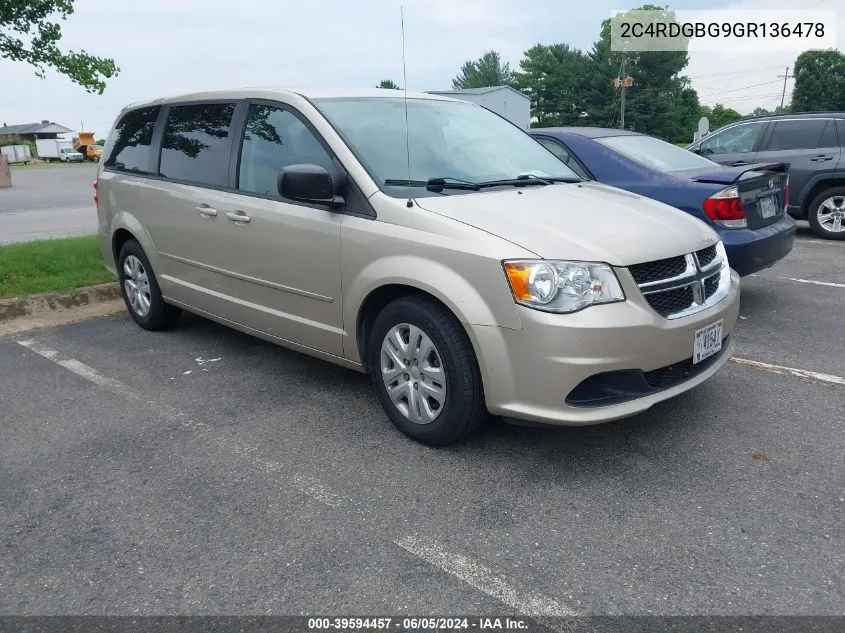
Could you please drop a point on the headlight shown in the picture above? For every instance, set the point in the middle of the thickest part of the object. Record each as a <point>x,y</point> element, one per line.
<point>560,286</point>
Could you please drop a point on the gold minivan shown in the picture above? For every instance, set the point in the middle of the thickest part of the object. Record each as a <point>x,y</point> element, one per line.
<point>424,240</point>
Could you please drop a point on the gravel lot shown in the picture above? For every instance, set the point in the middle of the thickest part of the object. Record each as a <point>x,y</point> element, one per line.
<point>200,471</point>
<point>46,202</point>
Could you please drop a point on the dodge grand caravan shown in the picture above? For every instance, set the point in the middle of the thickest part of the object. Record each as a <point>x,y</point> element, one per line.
<point>428,242</point>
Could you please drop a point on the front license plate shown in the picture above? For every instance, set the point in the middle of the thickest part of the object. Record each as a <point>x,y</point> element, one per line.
<point>707,341</point>
<point>768,207</point>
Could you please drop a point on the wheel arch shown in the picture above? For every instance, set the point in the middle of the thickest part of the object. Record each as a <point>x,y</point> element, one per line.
<point>816,188</point>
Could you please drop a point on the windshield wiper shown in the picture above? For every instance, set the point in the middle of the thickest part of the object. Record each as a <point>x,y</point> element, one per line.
<point>568,179</point>
<point>434,183</point>
<point>529,179</point>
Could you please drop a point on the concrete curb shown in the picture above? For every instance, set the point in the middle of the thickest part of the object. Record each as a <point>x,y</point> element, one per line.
<point>57,301</point>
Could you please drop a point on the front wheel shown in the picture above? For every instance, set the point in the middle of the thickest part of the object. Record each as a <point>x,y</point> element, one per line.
<point>827,214</point>
<point>425,372</point>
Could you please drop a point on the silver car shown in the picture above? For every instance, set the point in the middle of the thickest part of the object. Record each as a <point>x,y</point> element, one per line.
<point>428,242</point>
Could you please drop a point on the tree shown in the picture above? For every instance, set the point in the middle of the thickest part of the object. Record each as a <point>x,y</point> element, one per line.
<point>661,101</point>
<point>487,70</point>
<point>553,78</point>
<point>764,112</point>
<point>101,142</point>
<point>719,115</point>
<point>30,32</point>
<point>388,84</point>
<point>819,81</point>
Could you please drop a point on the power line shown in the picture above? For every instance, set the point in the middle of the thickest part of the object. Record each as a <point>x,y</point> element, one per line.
<point>773,94</point>
<point>734,72</point>
<point>765,83</point>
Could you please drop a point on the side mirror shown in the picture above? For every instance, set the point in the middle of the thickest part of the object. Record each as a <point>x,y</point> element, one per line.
<point>696,150</point>
<point>308,183</point>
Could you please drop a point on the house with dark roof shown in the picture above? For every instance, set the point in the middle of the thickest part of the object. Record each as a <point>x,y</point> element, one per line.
<point>32,131</point>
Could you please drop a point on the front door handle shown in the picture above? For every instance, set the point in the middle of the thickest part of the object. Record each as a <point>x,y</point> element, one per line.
<point>740,163</point>
<point>238,217</point>
<point>820,158</point>
<point>206,211</point>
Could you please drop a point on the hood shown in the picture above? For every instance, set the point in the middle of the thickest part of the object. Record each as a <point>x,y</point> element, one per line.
<point>724,175</point>
<point>586,221</point>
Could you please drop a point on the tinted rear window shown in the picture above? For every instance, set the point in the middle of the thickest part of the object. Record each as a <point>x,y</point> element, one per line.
<point>196,143</point>
<point>802,134</point>
<point>132,136</point>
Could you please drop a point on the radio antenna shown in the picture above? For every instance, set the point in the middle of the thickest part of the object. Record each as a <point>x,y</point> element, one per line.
<point>410,202</point>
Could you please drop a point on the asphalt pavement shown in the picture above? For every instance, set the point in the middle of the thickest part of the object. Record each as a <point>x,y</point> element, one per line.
<point>48,202</point>
<point>201,471</point>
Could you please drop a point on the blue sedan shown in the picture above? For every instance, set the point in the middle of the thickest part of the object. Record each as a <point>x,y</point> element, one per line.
<point>745,205</point>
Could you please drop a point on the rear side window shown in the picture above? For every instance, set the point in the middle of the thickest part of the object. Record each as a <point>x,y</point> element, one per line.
<point>195,147</point>
<point>132,136</point>
<point>829,138</point>
<point>803,134</point>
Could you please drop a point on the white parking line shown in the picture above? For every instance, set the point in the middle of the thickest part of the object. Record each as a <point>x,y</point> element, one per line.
<point>483,579</point>
<point>825,242</point>
<point>791,371</point>
<point>463,568</point>
<point>802,281</point>
<point>306,485</point>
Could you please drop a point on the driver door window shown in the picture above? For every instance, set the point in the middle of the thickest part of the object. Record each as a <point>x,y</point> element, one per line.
<point>739,139</point>
<point>275,138</point>
<point>558,149</point>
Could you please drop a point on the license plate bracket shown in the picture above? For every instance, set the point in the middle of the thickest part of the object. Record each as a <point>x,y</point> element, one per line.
<point>768,207</point>
<point>707,341</point>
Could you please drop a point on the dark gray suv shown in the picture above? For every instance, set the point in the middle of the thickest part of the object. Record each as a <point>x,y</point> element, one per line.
<point>812,145</point>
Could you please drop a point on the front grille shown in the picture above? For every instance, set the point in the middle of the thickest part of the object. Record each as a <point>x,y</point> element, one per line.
<point>711,285</point>
<point>681,285</point>
<point>706,255</point>
<point>671,301</point>
<point>658,269</point>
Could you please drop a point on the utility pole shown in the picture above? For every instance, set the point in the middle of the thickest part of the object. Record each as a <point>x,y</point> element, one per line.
<point>622,115</point>
<point>783,94</point>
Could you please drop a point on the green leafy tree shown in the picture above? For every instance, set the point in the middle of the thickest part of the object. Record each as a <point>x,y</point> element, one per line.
<point>101,142</point>
<point>765,112</point>
<point>719,115</point>
<point>553,78</point>
<point>30,31</point>
<point>661,101</point>
<point>819,81</point>
<point>487,70</point>
<point>388,84</point>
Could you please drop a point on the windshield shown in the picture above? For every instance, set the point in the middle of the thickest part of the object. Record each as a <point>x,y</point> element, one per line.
<point>654,153</point>
<point>448,139</point>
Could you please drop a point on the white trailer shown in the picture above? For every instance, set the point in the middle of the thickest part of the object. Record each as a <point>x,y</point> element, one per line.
<point>16,153</point>
<point>503,100</point>
<point>50,149</point>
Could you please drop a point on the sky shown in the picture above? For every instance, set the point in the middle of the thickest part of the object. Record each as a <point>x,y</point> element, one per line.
<point>168,47</point>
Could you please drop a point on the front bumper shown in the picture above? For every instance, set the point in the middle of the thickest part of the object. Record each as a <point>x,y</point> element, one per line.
<point>530,373</point>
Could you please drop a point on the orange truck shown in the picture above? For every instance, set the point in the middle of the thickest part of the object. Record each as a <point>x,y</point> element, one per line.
<point>87,146</point>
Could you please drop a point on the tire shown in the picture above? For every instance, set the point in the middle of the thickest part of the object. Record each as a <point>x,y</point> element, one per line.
<point>462,409</point>
<point>830,205</point>
<point>145,306</point>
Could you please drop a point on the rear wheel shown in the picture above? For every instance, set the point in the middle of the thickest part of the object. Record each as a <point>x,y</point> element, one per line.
<point>827,214</point>
<point>425,372</point>
<point>140,290</point>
